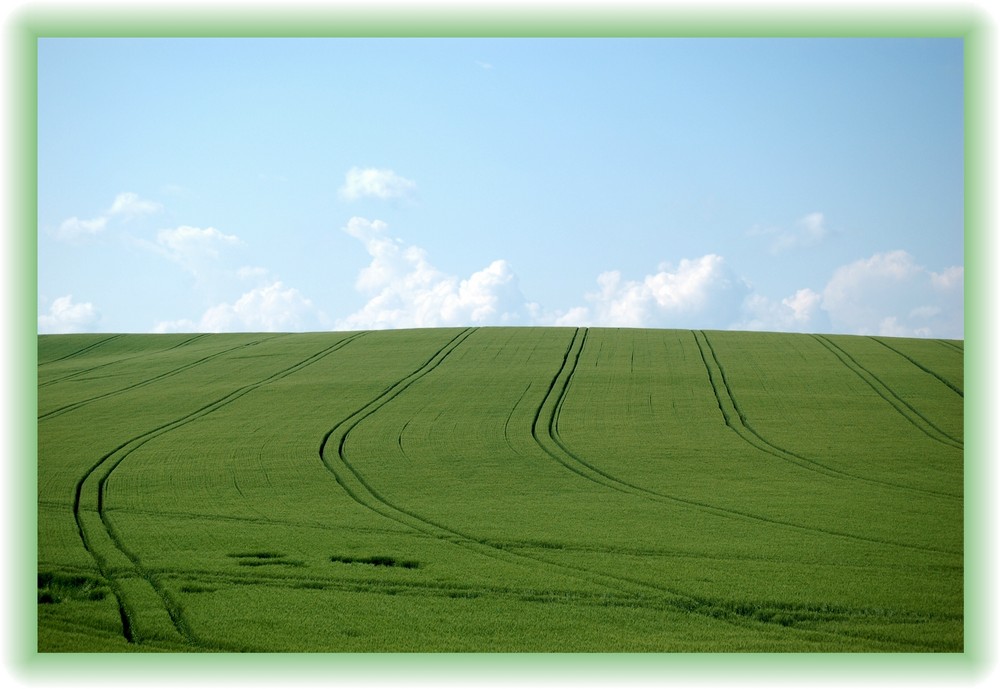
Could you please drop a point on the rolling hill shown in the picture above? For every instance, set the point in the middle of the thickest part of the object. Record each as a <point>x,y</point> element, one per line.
<point>500,489</point>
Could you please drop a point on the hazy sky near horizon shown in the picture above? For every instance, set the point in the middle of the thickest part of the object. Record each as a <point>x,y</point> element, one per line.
<point>810,185</point>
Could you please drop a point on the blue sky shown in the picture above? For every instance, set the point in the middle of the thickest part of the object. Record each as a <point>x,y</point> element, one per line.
<point>810,185</point>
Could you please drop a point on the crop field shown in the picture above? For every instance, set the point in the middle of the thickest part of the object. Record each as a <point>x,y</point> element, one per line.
<point>500,489</point>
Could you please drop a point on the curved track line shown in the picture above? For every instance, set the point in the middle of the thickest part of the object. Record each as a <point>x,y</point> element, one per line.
<point>952,346</point>
<point>905,410</point>
<point>112,460</point>
<point>362,492</point>
<point>506,423</point>
<point>751,436</point>
<point>74,374</point>
<point>564,374</point>
<point>560,452</point>
<point>81,351</point>
<point>76,405</point>
<point>721,610</point>
<point>923,368</point>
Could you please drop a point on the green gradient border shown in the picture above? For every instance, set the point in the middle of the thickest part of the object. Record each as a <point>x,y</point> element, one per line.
<point>29,24</point>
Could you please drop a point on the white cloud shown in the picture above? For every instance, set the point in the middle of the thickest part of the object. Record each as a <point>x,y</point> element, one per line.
<point>129,205</point>
<point>578,316</point>
<point>407,291</point>
<point>890,294</point>
<point>179,326</point>
<point>797,313</point>
<point>74,228</point>
<point>809,230</point>
<point>698,293</point>
<point>886,294</point>
<point>126,206</point>
<point>952,278</point>
<point>270,308</point>
<point>374,183</point>
<point>66,316</point>
<point>193,247</point>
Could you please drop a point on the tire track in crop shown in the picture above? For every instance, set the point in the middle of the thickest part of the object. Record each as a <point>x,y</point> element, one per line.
<point>743,614</point>
<point>506,423</point>
<point>957,390</point>
<point>737,420</point>
<point>333,455</point>
<point>74,374</point>
<point>746,614</point>
<point>155,379</point>
<point>952,346</point>
<point>817,612</point>
<point>907,411</point>
<point>553,445</point>
<point>260,521</point>
<point>362,492</point>
<point>115,561</point>
<point>78,352</point>
<point>561,381</point>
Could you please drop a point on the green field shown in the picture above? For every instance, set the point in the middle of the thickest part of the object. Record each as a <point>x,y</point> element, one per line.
<point>500,489</point>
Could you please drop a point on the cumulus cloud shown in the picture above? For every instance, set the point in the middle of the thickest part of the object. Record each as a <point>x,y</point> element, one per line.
<point>406,290</point>
<point>374,183</point>
<point>129,205</point>
<point>67,316</point>
<point>799,312</point>
<point>273,307</point>
<point>193,247</point>
<point>74,228</point>
<point>126,206</point>
<point>890,294</point>
<point>886,294</point>
<point>698,293</point>
<point>808,230</point>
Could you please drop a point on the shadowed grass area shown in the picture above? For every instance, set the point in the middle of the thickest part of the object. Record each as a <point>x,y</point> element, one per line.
<point>376,560</point>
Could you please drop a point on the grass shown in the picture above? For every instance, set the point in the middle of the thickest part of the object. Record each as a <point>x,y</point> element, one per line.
<point>500,489</point>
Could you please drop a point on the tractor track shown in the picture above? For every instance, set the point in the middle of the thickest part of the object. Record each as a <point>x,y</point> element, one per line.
<point>84,350</point>
<point>102,470</point>
<point>155,379</point>
<point>952,346</point>
<point>721,610</point>
<point>556,448</point>
<point>904,408</point>
<point>83,371</point>
<point>737,420</point>
<point>359,489</point>
<point>362,492</point>
<point>957,390</point>
<point>544,430</point>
